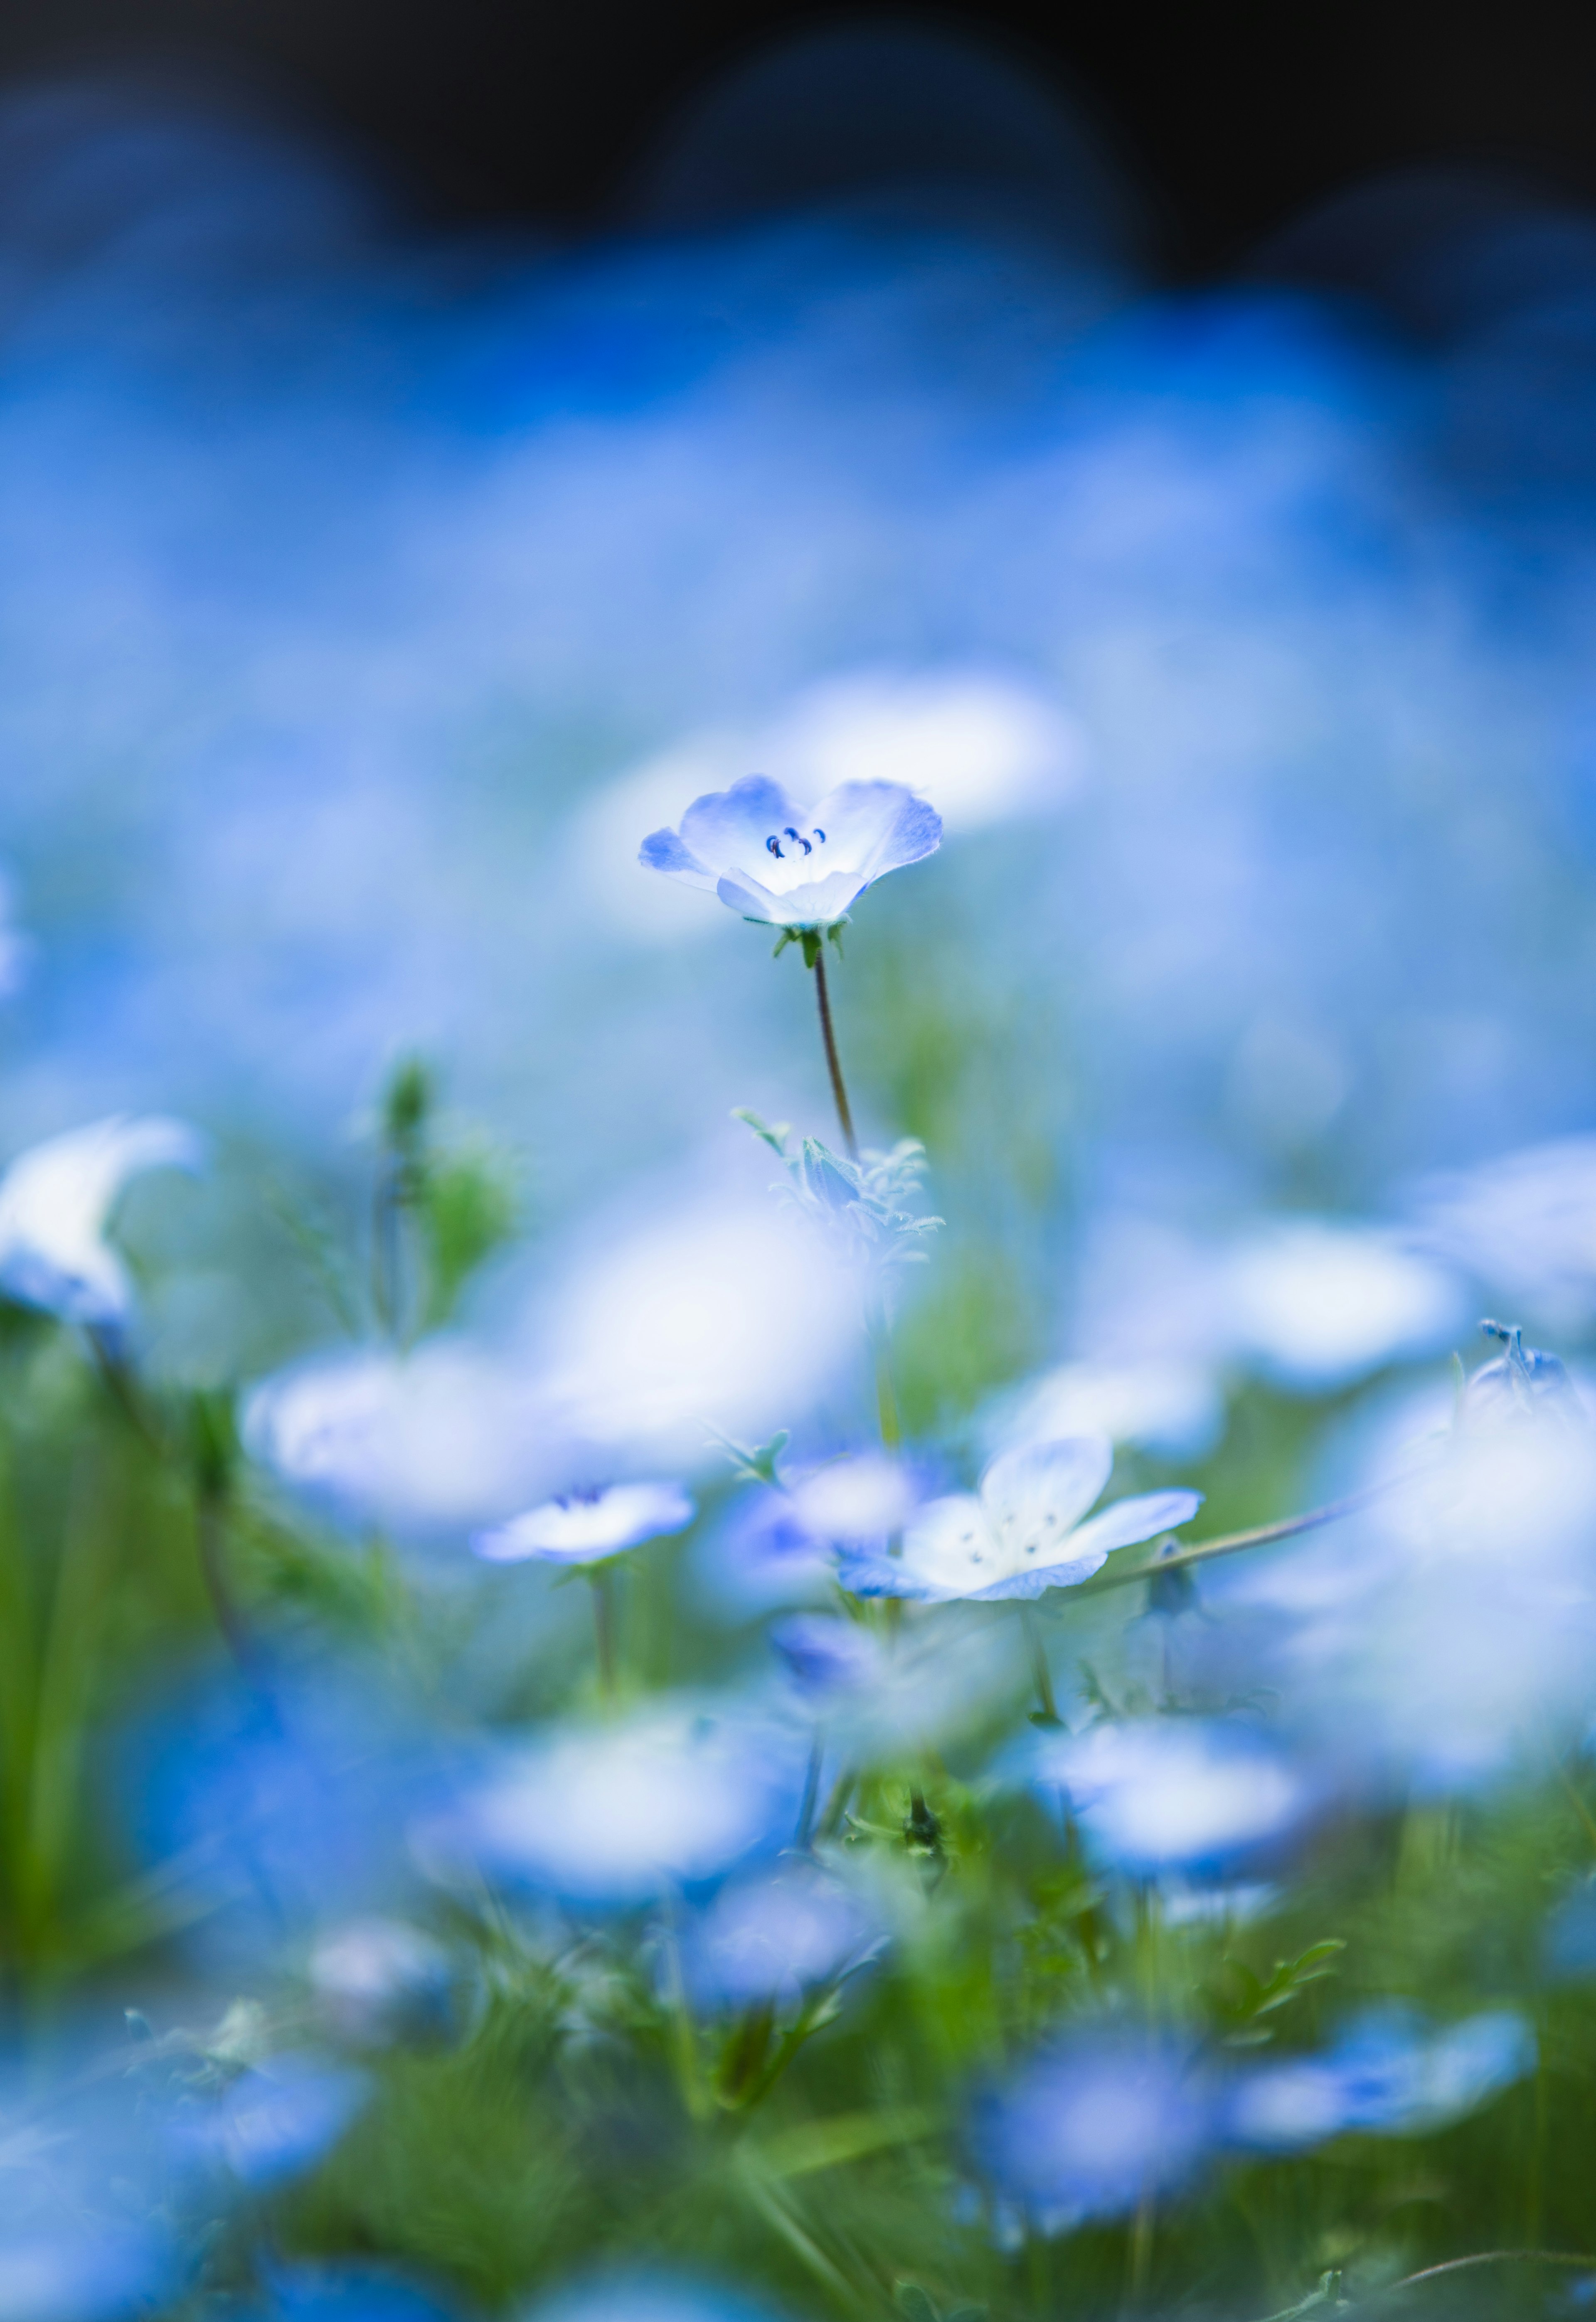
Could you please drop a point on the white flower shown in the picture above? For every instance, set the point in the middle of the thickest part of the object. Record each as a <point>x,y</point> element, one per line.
<point>1022,1532</point>
<point>581,1527</point>
<point>1186,1792</point>
<point>449,1435</point>
<point>793,866</point>
<point>55,1201</point>
<point>607,1815</point>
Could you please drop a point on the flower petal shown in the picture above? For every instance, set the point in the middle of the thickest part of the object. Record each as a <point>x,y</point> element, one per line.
<point>948,1551</point>
<point>726,830</point>
<point>1036,1494</point>
<point>1035,1581</point>
<point>662,850</point>
<point>1141,1518</point>
<point>878,826</point>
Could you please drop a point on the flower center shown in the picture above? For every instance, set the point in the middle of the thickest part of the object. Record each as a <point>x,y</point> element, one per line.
<point>782,844</point>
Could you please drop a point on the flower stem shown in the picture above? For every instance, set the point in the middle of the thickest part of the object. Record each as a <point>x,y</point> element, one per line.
<point>838,1089</point>
<point>600,1579</point>
<point>1040,1671</point>
<point>1203,1549</point>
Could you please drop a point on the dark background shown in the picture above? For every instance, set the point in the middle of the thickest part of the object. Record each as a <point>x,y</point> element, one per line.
<point>1232,118</point>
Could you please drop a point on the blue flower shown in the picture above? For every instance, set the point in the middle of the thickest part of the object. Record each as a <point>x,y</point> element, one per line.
<point>645,2298</point>
<point>318,2293</point>
<point>1094,2125</point>
<point>55,1201</point>
<point>70,2272</point>
<point>771,1939</point>
<point>275,2120</point>
<point>581,1527</point>
<point>791,866</point>
<point>1021,1533</point>
<point>1388,2075</point>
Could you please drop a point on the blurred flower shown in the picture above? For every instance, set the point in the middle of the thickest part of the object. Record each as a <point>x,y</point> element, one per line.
<point>1321,1302</point>
<point>644,2298</point>
<point>1387,2075</point>
<point>1173,1793</point>
<point>860,1205</point>
<point>769,1940</point>
<point>774,861</point>
<point>610,1816</point>
<point>826,1655</point>
<point>56,1201</point>
<point>1094,2125</point>
<point>80,2271</point>
<point>581,1527</point>
<point>342,2294</point>
<point>435,1439</point>
<point>860,1498</point>
<point>379,1979</point>
<point>1525,1222</point>
<point>761,1554</point>
<point>715,1314</point>
<point>275,2119</point>
<point>1169,1405</point>
<point>1022,1532</point>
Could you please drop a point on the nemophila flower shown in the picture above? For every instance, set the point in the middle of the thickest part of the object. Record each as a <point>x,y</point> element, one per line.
<point>791,866</point>
<point>79,2271</point>
<point>274,2120</point>
<point>632,2297</point>
<point>824,1655</point>
<point>342,2293</point>
<point>1092,2127</point>
<point>770,1940</point>
<point>607,1815</point>
<point>1521,1383</point>
<point>1173,1793</point>
<point>1388,2074</point>
<point>444,1437</point>
<point>56,1201</point>
<point>1022,1532</point>
<point>581,1527</point>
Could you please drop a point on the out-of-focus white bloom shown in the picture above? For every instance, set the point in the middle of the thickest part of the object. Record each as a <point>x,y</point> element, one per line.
<point>1320,1302</point>
<point>607,1815</point>
<point>437,1440</point>
<point>1166,1404</point>
<point>769,859</point>
<point>378,1978</point>
<point>771,1938</point>
<point>1525,1222</point>
<point>581,1527</point>
<point>1388,2075</point>
<point>728,1315</point>
<point>1022,1532</point>
<point>1315,1301</point>
<point>860,1498</point>
<point>56,1199</point>
<point>1173,1793</point>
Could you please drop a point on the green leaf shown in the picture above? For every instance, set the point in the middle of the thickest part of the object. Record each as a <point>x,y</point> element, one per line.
<point>775,1135</point>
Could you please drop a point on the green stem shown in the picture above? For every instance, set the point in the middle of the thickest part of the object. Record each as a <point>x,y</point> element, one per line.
<point>833,1065</point>
<point>1204,1550</point>
<point>1577,2260</point>
<point>601,1579</point>
<point>1039,1670</point>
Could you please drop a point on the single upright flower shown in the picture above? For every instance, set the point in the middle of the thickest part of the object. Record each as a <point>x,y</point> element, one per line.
<point>1022,1532</point>
<point>581,1527</point>
<point>56,1199</point>
<point>791,866</point>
